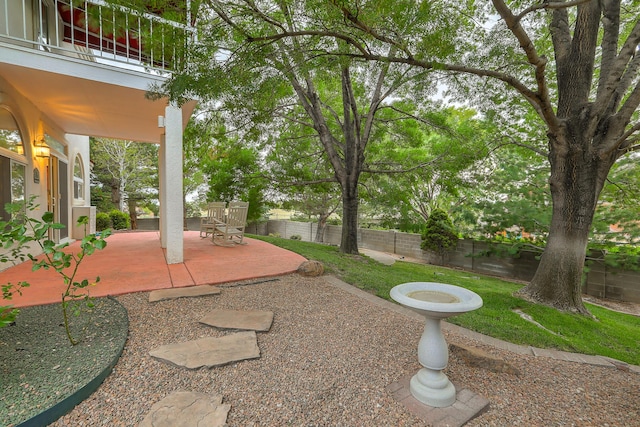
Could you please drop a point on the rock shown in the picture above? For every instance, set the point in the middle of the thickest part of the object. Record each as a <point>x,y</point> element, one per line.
<point>255,320</point>
<point>311,268</point>
<point>209,351</point>
<point>187,409</point>
<point>478,358</point>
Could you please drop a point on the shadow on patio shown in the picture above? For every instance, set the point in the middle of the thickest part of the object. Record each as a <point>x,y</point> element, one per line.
<point>135,262</point>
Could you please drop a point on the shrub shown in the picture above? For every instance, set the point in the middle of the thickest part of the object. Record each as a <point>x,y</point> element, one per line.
<point>296,237</point>
<point>119,220</point>
<point>439,234</point>
<point>103,221</point>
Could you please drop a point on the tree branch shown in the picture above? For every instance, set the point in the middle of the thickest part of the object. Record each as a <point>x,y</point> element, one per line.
<point>615,83</point>
<point>539,62</point>
<point>549,5</point>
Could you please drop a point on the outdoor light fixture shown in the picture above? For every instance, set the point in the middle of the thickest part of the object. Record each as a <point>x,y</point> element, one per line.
<point>41,149</point>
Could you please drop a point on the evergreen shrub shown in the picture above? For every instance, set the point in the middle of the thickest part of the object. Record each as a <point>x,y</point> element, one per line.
<point>119,220</point>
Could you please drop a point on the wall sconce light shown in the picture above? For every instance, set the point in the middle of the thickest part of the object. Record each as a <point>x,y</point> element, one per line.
<point>41,149</point>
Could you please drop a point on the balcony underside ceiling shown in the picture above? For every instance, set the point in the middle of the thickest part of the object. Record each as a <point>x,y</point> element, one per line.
<point>87,98</point>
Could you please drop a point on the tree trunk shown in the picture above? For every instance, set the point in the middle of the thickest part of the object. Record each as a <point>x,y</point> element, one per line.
<point>577,177</point>
<point>349,241</point>
<point>322,226</point>
<point>116,195</point>
<point>133,216</point>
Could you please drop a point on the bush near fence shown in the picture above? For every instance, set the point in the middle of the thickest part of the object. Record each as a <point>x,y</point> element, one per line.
<point>601,281</point>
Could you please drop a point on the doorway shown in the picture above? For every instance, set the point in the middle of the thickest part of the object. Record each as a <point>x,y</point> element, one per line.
<point>58,197</point>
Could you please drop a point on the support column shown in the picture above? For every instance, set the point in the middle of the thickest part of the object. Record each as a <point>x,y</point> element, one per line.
<point>162,194</point>
<point>171,188</point>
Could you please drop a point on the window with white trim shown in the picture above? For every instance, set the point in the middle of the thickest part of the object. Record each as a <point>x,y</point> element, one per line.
<point>78,180</point>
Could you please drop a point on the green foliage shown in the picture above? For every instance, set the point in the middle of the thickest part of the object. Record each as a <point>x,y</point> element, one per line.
<point>612,334</point>
<point>13,248</point>
<point>22,229</point>
<point>230,166</point>
<point>439,235</point>
<point>123,170</point>
<point>103,221</point>
<point>119,220</point>
<point>296,237</point>
<point>101,199</point>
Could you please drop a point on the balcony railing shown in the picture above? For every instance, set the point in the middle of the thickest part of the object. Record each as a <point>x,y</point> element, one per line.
<point>97,31</point>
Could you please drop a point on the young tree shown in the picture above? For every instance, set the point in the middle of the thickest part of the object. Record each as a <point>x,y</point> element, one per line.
<point>127,169</point>
<point>439,235</point>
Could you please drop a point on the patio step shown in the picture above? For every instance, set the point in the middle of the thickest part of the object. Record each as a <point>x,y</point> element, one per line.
<point>189,291</point>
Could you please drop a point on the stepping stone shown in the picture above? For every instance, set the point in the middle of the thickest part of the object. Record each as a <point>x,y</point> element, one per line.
<point>209,351</point>
<point>189,291</point>
<point>254,320</point>
<point>187,409</point>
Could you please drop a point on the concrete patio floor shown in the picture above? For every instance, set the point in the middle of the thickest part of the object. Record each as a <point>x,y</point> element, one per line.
<point>135,262</point>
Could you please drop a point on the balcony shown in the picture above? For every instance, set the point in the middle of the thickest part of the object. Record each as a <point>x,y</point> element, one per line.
<point>96,31</point>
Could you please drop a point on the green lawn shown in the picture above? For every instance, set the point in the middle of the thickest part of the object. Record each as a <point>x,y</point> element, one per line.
<point>610,334</point>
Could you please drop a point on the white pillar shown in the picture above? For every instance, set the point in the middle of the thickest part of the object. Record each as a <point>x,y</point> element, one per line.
<point>162,187</point>
<point>172,220</point>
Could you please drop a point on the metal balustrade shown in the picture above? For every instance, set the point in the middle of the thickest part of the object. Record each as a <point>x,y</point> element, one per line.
<point>97,31</point>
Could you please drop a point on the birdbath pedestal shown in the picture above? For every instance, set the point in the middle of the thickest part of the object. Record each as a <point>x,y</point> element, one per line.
<point>435,301</point>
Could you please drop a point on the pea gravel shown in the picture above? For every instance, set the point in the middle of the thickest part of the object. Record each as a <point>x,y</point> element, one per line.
<point>327,361</point>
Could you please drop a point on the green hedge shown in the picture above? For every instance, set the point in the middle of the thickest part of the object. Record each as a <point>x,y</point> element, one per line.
<point>119,220</point>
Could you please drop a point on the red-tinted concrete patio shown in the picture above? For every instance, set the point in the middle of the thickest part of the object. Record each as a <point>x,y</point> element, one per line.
<point>135,262</point>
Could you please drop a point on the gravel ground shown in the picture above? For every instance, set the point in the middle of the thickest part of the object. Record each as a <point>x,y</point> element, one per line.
<point>326,362</point>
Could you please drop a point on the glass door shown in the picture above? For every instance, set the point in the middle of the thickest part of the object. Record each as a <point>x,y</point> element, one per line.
<point>58,197</point>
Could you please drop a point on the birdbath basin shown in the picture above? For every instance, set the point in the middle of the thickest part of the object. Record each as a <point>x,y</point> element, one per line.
<point>435,301</point>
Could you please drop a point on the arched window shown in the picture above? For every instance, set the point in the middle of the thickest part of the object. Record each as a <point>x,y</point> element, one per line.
<point>10,138</point>
<point>12,169</point>
<point>78,180</point>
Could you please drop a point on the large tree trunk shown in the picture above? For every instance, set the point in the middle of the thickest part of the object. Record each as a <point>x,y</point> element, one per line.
<point>349,241</point>
<point>577,177</point>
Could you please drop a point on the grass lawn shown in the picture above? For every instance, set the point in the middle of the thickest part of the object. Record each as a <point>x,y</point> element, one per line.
<point>611,334</point>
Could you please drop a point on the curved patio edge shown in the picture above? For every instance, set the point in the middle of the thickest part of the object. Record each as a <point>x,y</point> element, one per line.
<point>50,415</point>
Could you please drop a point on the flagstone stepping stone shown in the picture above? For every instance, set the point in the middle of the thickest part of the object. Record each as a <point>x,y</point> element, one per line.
<point>187,409</point>
<point>255,320</point>
<point>189,291</point>
<point>209,351</point>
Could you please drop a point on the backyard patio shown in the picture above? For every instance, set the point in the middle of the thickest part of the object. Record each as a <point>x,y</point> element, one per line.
<point>135,262</point>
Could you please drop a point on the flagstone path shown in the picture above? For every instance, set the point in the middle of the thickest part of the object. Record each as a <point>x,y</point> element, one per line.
<point>187,409</point>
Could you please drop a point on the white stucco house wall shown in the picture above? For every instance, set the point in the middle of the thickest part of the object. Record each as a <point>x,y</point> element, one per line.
<point>70,69</point>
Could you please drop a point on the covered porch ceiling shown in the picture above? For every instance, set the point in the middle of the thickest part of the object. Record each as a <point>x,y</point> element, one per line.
<point>89,98</point>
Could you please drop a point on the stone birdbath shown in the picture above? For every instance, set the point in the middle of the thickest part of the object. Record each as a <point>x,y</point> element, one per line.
<point>435,301</point>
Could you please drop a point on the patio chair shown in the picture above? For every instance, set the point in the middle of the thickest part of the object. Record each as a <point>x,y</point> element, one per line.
<point>234,224</point>
<point>215,215</point>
